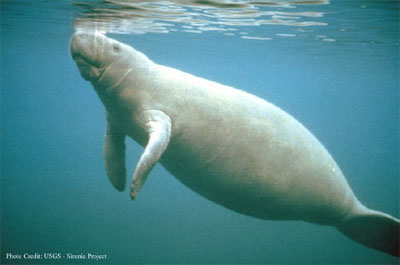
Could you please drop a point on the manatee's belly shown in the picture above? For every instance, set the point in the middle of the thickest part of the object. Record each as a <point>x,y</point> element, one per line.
<point>268,175</point>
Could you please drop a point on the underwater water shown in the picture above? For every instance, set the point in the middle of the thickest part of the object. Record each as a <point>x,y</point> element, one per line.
<point>333,65</point>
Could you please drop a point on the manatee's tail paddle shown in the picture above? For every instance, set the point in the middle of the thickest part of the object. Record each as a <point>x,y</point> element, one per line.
<point>373,229</point>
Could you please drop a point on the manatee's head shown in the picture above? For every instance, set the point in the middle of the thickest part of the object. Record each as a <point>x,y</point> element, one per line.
<point>94,52</point>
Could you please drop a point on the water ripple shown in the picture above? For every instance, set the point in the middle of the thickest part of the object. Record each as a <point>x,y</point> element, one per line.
<point>192,16</point>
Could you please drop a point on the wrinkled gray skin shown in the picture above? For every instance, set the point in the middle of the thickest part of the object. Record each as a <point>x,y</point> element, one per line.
<point>227,145</point>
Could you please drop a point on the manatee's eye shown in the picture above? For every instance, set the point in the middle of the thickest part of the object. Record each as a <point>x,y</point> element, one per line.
<point>116,47</point>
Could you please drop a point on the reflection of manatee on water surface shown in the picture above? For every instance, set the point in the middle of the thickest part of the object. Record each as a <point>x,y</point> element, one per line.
<point>227,145</point>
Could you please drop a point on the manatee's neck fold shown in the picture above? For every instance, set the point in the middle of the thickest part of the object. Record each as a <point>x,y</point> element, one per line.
<point>115,79</point>
<point>110,88</point>
<point>109,70</point>
<point>112,75</point>
<point>123,75</point>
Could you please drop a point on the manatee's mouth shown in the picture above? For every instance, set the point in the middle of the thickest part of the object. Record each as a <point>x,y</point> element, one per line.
<point>82,59</point>
<point>84,48</point>
<point>89,69</point>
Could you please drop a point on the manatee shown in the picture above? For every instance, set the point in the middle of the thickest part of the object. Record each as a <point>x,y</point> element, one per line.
<point>231,147</point>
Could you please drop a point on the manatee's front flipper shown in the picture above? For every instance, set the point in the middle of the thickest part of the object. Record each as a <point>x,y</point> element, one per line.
<point>158,126</point>
<point>114,156</point>
<point>373,229</point>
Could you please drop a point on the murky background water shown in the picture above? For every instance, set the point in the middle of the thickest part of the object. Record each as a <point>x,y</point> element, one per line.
<point>334,65</point>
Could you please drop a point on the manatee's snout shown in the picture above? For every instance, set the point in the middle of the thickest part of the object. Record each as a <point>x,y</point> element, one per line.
<point>78,41</point>
<point>94,52</point>
<point>86,50</point>
<point>86,46</point>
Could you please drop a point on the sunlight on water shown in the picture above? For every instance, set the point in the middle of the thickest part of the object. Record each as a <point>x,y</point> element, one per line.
<point>196,16</point>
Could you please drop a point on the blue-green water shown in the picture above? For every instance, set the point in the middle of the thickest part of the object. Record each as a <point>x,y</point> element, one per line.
<point>334,66</point>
